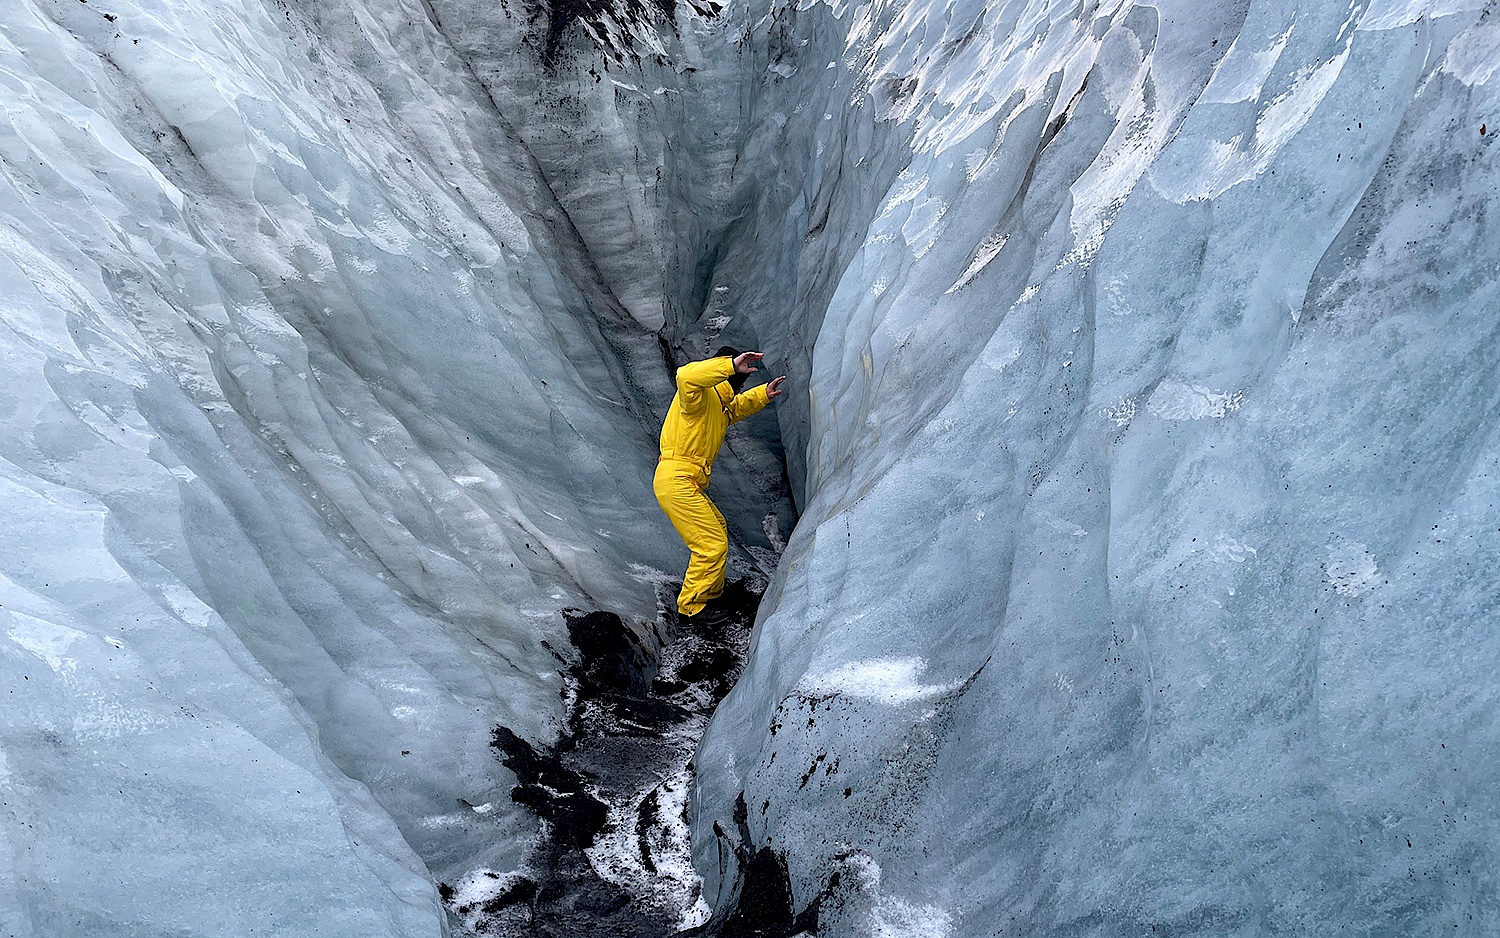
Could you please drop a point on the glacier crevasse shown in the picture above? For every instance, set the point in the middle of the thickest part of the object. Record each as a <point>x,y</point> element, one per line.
<point>1144,448</point>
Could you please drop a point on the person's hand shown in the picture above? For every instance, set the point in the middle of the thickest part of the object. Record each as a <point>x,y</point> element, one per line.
<point>773,390</point>
<point>745,362</point>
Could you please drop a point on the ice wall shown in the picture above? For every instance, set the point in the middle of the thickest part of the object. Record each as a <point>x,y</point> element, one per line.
<point>317,409</point>
<point>1146,576</point>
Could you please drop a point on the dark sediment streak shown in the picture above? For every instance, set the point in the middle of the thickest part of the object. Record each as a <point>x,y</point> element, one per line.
<point>632,716</point>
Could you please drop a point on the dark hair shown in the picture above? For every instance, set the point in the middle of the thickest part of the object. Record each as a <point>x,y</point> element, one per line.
<point>736,380</point>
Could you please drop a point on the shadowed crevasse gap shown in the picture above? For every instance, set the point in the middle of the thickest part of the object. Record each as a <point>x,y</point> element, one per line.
<point>634,718</point>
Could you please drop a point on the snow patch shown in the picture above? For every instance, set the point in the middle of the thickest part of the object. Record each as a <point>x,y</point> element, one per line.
<point>1174,400</point>
<point>884,680</point>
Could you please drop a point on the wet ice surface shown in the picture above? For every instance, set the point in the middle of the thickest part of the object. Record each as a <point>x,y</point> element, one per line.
<point>1143,424</point>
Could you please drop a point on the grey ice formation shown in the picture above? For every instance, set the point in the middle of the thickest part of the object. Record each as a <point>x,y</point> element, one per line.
<point>1143,452</point>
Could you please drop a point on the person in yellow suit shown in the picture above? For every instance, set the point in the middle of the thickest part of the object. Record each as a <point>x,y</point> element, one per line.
<point>708,400</point>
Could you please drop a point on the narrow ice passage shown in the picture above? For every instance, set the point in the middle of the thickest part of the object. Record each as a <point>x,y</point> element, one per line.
<point>1143,460</point>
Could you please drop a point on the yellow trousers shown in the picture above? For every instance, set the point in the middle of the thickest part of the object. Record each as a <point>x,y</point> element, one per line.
<point>679,486</point>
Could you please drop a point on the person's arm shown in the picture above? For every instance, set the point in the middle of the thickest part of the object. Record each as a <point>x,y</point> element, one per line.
<point>754,400</point>
<point>700,376</point>
<point>695,379</point>
<point>748,402</point>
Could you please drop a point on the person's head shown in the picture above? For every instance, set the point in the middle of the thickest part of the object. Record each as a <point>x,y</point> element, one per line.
<point>737,380</point>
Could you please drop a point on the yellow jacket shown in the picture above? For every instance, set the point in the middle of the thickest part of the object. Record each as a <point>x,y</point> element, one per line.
<point>703,408</point>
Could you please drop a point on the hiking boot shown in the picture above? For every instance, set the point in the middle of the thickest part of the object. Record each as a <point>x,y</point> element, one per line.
<point>712,616</point>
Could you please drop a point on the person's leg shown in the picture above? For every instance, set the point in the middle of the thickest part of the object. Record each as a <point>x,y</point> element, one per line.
<point>701,528</point>
<point>715,574</point>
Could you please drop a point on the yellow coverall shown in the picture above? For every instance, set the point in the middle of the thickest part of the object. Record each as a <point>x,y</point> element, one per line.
<point>702,410</point>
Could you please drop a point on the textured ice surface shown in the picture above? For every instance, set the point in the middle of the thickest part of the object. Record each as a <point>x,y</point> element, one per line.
<point>1146,575</point>
<point>316,411</point>
<point>1143,422</point>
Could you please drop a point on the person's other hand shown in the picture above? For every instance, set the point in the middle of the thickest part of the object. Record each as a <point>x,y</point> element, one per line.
<point>745,363</point>
<point>773,389</point>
